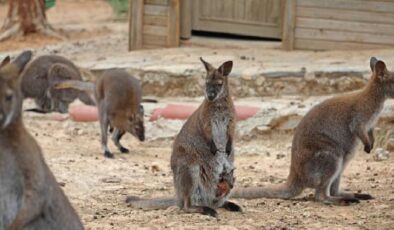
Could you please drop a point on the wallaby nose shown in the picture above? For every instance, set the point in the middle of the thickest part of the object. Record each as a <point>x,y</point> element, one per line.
<point>211,95</point>
<point>142,137</point>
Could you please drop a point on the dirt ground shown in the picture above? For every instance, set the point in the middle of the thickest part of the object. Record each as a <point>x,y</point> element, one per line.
<point>97,187</point>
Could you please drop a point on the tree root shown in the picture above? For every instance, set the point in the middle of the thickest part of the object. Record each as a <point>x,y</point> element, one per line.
<point>15,30</point>
<point>12,31</point>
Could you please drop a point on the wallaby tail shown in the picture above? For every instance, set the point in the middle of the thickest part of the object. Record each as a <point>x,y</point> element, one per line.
<point>155,203</point>
<point>283,191</point>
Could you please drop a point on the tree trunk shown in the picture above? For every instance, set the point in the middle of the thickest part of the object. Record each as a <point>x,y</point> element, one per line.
<point>24,17</point>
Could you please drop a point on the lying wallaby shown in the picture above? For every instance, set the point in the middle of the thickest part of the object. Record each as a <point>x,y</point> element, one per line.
<point>39,78</point>
<point>118,97</point>
<point>325,141</point>
<point>202,156</point>
<point>30,197</point>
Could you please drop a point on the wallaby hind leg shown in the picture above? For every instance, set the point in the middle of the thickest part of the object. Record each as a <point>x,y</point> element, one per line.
<point>116,136</point>
<point>189,208</point>
<point>335,191</point>
<point>328,168</point>
<point>186,184</point>
<point>231,206</point>
<point>104,123</point>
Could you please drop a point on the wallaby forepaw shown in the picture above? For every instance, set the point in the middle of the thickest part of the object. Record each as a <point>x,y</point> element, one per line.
<point>363,196</point>
<point>124,150</point>
<point>209,211</point>
<point>108,154</point>
<point>367,148</point>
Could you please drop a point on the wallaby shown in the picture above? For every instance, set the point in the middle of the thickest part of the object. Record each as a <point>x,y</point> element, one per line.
<point>30,197</point>
<point>118,97</point>
<point>325,140</point>
<point>202,153</point>
<point>39,78</point>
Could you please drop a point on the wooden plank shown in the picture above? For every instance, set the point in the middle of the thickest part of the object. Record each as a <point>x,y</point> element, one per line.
<point>155,30</point>
<point>186,19</point>
<point>289,24</point>
<point>148,46</point>
<point>239,10</point>
<point>334,35</point>
<point>376,6</point>
<point>155,10</point>
<point>155,20</point>
<point>173,24</point>
<point>155,40</point>
<point>310,44</point>
<point>346,15</point>
<point>156,2</point>
<point>317,23</point>
<point>135,24</point>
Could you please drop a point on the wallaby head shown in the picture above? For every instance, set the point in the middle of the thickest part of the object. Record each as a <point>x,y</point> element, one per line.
<point>216,81</point>
<point>382,77</point>
<point>136,124</point>
<point>10,94</point>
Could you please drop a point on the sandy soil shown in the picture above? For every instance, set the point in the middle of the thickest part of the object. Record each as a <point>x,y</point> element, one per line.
<point>97,187</point>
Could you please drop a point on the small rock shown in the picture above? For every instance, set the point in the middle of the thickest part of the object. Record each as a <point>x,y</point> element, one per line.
<point>381,154</point>
<point>280,156</point>
<point>155,167</point>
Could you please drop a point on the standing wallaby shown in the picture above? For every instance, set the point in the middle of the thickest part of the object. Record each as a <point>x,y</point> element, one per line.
<point>202,154</point>
<point>30,197</point>
<point>118,97</point>
<point>325,141</point>
<point>39,78</point>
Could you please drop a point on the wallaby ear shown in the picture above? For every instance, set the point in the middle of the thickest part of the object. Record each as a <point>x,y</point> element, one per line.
<point>207,66</point>
<point>226,68</point>
<point>5,61</point>
<point>21,61</point>
<point>372,63</point>
<point>379,68</point>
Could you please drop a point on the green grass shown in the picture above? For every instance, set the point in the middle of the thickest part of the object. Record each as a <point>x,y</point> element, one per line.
<point>120,7</point>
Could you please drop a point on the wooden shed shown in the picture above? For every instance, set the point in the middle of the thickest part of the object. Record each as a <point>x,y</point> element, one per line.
<point>338,24</point>
<point>300,24</point>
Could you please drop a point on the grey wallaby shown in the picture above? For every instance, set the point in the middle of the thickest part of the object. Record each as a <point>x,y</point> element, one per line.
<point>39,78</point>
<point>30,197</point>
<point>202,153</point>
<point>118,97</point>
<point>325,140</point>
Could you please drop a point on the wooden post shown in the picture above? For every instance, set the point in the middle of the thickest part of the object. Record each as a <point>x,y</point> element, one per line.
<point>173,24</point>
<point>136,13</point>
<point>186,19</point>
<point>289,24</point>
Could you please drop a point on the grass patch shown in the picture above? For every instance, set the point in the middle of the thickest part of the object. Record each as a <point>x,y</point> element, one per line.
<point>120,7</point>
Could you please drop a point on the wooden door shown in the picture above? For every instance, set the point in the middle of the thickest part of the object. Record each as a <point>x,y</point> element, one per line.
<point>261,18</point>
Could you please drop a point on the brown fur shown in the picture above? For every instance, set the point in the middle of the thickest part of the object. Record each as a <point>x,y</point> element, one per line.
<point>118,97</point>
<point>325,140</point>
<point>30,197</point>
<point>202,157</point>
<point>39,78</point>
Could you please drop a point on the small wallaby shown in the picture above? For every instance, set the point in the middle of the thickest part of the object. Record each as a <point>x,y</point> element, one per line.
<point>118,97</point>
<point>202,153</point>
<point>39,78</point>
<point>30,197</point>
<point>325,140</point>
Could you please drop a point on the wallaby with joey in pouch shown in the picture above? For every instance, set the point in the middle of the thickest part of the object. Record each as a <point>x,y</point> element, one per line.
<point>118,97</point>
<point>325,141</point>
<point>39,78</point>
<point>203,153</point>
<point>30,197</point>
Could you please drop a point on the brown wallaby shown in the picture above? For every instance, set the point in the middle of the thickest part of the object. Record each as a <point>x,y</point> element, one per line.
<point>30,197</point>
<point>118,97</point>
<point>39,78</point>
<point>325,140</point>
<point>202,154</point>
